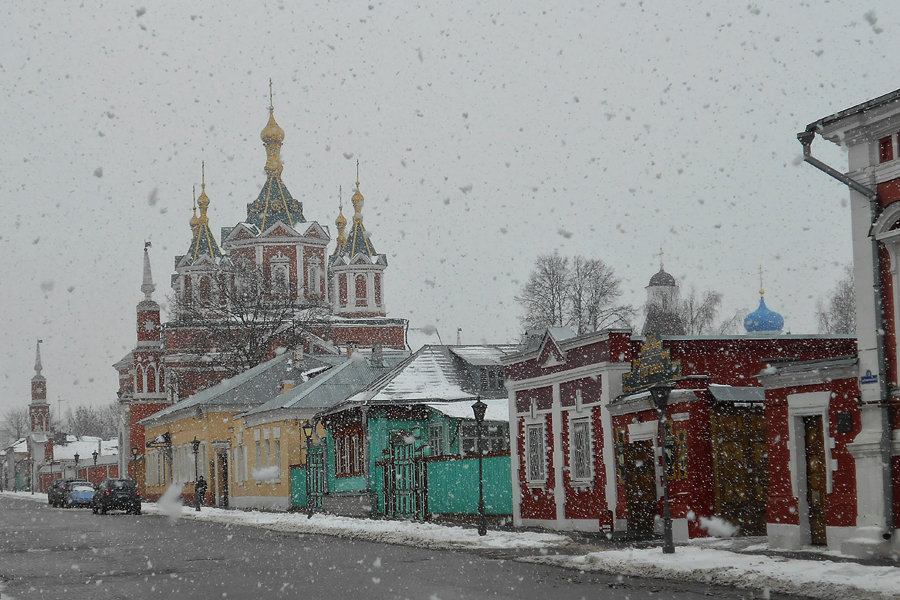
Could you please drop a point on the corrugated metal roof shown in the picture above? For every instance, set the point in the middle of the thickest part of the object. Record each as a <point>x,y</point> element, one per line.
<point>483,355</point>
<point>248,389</point>
<point>332,386</point>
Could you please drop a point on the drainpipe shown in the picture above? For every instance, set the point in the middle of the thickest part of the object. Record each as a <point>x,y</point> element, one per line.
<point>806,138</point>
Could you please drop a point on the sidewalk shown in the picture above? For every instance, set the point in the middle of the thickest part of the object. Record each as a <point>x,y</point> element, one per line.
<point>746,563</point>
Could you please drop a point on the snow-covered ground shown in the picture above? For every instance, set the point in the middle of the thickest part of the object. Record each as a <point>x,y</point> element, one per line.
<point>700,561</point>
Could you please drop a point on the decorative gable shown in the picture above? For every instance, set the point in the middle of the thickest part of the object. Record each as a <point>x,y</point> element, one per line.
<point>550,354</point>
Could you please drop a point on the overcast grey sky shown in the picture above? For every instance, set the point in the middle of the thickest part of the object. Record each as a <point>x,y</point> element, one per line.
<point>488,133</point>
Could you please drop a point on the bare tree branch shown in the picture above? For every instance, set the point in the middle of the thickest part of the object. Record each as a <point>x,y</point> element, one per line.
<point>580,294</point>
<point>243,317</point>
<point>839,316</point>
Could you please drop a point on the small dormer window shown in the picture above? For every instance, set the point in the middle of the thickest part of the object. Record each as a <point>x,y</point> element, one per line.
<point>886,149</point>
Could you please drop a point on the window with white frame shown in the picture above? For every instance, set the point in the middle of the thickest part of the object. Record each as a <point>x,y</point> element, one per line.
<point>278,455</point>
<point>436,439</point>
<point>580,448</point>
<point>494,438</point>
<point>534,452</point>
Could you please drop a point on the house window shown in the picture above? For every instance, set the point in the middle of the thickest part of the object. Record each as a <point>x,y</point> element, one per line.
<point>278,455</point>
<point>436,439</point>
<point>581,449</point>
<point>676,450</point>
<point>534,453</point>
<point>268,453</point>
<point>494,438</point>
<point>886,149</point>
<point>258,457</point>
<point>348,460</point>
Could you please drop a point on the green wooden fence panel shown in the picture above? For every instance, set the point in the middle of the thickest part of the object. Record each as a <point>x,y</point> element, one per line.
<point>298,487</point>
<point>453,486</point>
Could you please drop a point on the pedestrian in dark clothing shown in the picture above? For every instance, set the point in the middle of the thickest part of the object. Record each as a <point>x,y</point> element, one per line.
<point>199,492</point>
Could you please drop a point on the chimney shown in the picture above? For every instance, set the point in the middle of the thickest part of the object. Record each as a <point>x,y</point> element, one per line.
<point>351,348</point>
<point>377,355</point>
<point>287,385</point>
<point>297,359</point>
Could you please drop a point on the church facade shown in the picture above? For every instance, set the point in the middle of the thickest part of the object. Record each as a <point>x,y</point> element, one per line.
<point>274,264</point>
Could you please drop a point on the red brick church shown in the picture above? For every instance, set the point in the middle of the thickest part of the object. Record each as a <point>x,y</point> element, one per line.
<point>344,289</point>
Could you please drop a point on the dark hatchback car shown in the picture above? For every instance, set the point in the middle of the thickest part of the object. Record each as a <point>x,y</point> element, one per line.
<point>116,494</point>
<point>70,492</point>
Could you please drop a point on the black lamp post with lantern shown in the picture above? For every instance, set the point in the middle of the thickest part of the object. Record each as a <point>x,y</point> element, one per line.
<point>660,395</point>
<point>77,456</point>
<point>94,455</point>
<point>195,448</point>
<point>307,430</point>
<point>479,408</point>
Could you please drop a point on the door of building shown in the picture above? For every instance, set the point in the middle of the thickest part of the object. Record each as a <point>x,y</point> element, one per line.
<point>816,485</point>
<point>640,487</point>
<point>404,479</point>
<point>740,466</point>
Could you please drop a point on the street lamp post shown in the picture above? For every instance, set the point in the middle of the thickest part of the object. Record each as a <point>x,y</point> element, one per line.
<point>95,454</point>
<point>76,465</point>
<point>307,430</point>
<point>195,448</point>
<point>660,394</point>
<point>479,409</point>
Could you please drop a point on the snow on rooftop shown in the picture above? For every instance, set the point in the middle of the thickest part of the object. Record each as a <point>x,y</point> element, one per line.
<point>497,409</point>
<point>428,376</point>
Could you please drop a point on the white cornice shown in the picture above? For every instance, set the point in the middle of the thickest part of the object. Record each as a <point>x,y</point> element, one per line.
<point>603,368</point>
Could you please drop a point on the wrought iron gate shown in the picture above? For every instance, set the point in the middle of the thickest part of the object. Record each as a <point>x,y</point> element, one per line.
<point>315,477</point>
<point>404,479</point>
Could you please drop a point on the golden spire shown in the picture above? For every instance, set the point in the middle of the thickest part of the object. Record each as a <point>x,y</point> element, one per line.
<point>357,199</point>
<point>341,221</point>
<point>203,200</point>
<point>194,220</point>
<point>272,136</point>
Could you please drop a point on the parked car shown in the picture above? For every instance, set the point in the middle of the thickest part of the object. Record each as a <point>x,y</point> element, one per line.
<point>116,494</point>
<point>70,492</point>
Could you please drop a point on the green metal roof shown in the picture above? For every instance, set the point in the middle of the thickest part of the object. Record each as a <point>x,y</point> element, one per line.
<point>274,204</point>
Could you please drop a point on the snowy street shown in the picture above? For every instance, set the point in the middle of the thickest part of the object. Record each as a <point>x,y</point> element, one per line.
<point>52,553</point>
<point>57,553</point>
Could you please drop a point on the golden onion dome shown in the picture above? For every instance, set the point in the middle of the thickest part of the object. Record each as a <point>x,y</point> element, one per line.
<point>341,221</point>
<point>272,132</point>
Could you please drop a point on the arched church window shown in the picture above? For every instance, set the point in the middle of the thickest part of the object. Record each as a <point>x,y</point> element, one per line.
<point>187,292</point>
<point>281,278</point>
<point>314,277</point>
<point>139,380</point>
<point>205,290</point>
<point>151,379</point>
<point>361,290</point>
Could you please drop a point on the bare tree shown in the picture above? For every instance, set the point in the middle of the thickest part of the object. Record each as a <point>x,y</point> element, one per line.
<point>246,315</point>
<point>580,294</point>
<point>839,316</point>
<point>92,420</point>
<point>593,289</point>
<point>16,422</point>
<point>698,312</point>
<point>545,297</point>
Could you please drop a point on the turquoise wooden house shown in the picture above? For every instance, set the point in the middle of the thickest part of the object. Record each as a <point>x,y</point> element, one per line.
<point>405,445</point>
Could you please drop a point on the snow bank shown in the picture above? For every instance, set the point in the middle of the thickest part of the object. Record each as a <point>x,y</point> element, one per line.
<point>425,535</point>
<point>825,579</point>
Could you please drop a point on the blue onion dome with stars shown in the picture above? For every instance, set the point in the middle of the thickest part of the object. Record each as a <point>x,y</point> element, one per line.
<point>763,319</point>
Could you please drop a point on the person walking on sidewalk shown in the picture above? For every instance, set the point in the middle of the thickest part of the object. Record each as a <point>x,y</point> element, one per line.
<point>199,492</point>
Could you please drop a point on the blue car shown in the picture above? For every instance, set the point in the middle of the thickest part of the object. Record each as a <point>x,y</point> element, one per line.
<point>79,493</point>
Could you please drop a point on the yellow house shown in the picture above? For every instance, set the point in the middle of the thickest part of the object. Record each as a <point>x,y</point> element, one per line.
<point>208,417</point>
<point>268,440</point>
